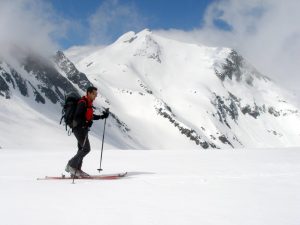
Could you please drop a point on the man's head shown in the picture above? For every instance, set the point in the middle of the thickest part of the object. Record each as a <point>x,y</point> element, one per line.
<point>91,93</point>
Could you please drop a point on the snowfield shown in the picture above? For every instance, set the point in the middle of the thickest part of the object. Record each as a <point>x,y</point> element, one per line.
<point>213,187</point>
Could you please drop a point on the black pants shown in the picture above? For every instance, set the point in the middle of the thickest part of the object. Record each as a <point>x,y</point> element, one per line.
<point>84,148</point>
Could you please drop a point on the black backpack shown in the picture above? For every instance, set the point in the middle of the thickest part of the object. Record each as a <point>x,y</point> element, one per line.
<point>69,108</point>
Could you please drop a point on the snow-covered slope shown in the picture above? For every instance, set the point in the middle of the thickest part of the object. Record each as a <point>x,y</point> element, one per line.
<point>177,95</point>
<point>214,187</point>
<point>31,96</point>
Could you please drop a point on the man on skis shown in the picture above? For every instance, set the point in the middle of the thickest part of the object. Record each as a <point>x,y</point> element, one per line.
<point>83,120</point>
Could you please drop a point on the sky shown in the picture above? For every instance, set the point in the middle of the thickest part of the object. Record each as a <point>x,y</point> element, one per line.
<point>103,21</point>
<point>265,32</point>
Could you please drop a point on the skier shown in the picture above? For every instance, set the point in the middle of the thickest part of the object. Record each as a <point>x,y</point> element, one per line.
<point>83,120</point>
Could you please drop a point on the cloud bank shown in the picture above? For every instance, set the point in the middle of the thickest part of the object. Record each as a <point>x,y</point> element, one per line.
<point>29,25</point>
<point>266,33</point>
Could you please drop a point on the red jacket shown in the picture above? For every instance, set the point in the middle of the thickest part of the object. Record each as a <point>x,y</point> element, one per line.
<point>84,116</point>
<point>89,108</point>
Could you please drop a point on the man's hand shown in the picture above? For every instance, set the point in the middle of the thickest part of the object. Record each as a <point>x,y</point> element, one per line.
<point>105,114</point>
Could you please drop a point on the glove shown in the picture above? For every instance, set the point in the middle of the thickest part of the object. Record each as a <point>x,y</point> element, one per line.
<point>105,114</point>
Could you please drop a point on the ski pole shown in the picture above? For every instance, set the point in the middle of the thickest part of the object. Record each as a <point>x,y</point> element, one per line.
<point>100,169</point>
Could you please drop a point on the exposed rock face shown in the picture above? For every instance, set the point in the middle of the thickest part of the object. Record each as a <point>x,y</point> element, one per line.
<point>5,79</point>
<point>40,79</point>
<point>235,67</point>
<point>232,67</point>
<point>51,83</point>
<point>164,110</point>
<point>71,71</point>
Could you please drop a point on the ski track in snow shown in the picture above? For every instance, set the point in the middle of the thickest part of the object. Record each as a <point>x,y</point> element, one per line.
<point>246,186</point>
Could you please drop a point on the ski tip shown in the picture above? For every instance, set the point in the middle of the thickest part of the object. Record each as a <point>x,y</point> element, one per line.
<point>123,174</point>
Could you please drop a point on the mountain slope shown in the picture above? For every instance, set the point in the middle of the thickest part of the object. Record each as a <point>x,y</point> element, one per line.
<point>162,94</point>
<point>32,92</point>
<point>177,95</point>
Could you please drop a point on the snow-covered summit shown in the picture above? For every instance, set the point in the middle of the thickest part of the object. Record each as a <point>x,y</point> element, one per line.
<point>193,95</point>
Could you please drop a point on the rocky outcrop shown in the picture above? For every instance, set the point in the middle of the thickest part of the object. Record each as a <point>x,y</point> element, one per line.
<point>232,67</point>
<point>165,111</point>
<point>5,79</point>
<point>51,83</point>
<point>71,71</point>
<point>235,67</point>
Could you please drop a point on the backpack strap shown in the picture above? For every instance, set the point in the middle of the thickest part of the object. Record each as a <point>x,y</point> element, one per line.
<point>84,99</point>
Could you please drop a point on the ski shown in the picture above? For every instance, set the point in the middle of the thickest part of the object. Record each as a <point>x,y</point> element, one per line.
<point>91,177</point>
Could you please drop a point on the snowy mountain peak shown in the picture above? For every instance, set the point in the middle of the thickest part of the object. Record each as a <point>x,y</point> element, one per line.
<point>144,33</point>
<point>163,93</point>
<point>127,37</point>
<point>130,36</point>
<point>196,96</point>
<point>149,47</point>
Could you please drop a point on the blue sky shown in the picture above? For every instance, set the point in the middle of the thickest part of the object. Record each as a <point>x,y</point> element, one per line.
<point>154,14</point>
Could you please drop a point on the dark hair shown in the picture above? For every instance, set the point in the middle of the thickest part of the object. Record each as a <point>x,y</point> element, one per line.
<point>91,89</point>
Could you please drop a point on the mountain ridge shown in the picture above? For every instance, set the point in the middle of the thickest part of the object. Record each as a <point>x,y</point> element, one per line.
<point>165,94</point>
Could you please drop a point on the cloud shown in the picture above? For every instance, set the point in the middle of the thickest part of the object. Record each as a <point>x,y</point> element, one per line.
<point>112,19</point>
<point>30,25</point>
<point>266,33</point>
